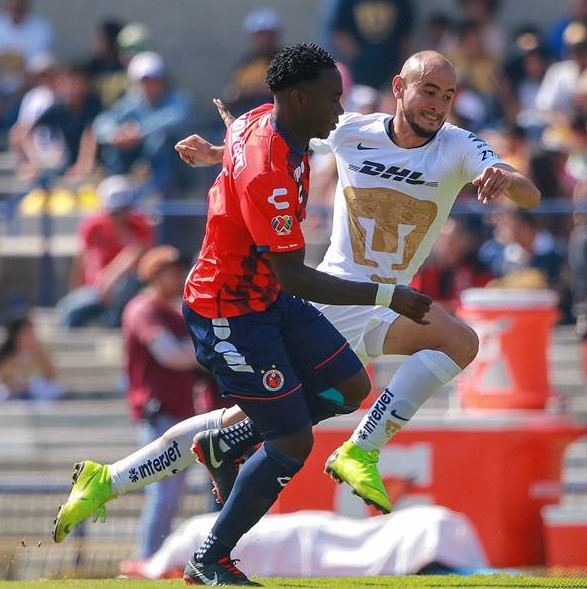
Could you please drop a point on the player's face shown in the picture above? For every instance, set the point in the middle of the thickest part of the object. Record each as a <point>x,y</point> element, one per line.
<point>426,101</point>
<point>322,103</point>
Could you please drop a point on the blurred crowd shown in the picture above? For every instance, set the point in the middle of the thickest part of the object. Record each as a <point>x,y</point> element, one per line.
<point>109,121</point>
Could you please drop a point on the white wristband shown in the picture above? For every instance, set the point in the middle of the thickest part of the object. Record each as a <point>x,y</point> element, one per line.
<point>384,294</point>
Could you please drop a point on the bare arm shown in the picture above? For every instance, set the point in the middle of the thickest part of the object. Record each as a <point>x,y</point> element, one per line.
<point>503,179</point>
<point>86,156</point>
<point>298,279</point>
<point>120,266</point>
<point>195,150</point>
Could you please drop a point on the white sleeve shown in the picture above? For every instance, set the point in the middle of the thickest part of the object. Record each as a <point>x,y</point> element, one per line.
<point>477,155</point>
<point>552,95</point>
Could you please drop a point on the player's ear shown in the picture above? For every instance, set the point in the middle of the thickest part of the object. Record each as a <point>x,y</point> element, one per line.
<point>397,86</point>
<point>298,97</point>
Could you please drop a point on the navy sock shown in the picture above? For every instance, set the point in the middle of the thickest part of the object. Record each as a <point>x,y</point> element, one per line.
<point>256,488</point>
<point>239,437</point>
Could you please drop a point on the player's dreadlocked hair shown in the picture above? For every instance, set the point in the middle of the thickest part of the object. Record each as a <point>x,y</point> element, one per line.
<point>295,64</point>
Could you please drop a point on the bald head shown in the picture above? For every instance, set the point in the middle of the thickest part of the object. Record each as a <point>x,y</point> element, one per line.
<point>425,90</point>
<point>423,63</point>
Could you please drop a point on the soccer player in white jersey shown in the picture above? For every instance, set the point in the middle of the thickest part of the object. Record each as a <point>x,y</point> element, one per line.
<point>398,179</point>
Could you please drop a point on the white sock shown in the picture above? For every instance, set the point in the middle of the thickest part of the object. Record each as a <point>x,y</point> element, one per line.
<point>164,457</point>
<point>412,385</point>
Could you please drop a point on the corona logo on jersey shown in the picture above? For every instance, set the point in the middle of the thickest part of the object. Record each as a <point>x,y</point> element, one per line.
<point>282,224</point>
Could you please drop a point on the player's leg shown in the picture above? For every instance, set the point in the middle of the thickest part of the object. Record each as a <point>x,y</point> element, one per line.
<point>437,353</point>
<point>95,484</point>
<point>163,499</point>
<point>320,356</point>
<point>260,377</point>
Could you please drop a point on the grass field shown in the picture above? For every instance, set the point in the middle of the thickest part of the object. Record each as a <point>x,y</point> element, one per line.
<point>429,582</point>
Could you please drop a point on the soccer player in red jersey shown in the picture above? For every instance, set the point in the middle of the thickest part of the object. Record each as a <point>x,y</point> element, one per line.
<point>282,362</point>
<point>245,307</point>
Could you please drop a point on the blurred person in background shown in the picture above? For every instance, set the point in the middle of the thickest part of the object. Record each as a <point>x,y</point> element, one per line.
<point>132,39</point>
<point>484,14</point>
<point>104,271</point>
<point>139,130</point>
<point>438,33</point>
<point>576,11</point>
<point>105,67</point>
<point>70,146</point>
<point>476,69</point>
<point>247,88</point>
<point>555,96</point>
<point>452,267</point>
<point>523,69</point>
<point>27,371</point>
<point>23,36</point>
<point>371,37</point>
<point>522,254</point>
<point>578,267</point>
<point>159,353</point>
<point>42,73</point>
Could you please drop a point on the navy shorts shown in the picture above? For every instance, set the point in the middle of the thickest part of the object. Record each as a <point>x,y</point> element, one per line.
<point>269,361</point>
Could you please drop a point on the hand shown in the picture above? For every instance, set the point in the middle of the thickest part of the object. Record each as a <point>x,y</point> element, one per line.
<point>412,304</point>
<point>195,150</point>
<point>224,113</point>
<point>492,182</point>
<point>128,136</point>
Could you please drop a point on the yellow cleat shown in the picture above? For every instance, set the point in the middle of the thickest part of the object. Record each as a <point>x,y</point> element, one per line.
<point>92,488</point>
<point>358,468</point>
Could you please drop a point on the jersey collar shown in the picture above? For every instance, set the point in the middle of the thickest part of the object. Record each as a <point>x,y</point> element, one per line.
<point>300,152</point>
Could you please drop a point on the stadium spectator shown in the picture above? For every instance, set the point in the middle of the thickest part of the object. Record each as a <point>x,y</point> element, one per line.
<point>576,12</point>
<point>23,36</point>
<point>555,95</point>
<point>162,372</point>
<point>484,14</point>
<point>476,69</point>
<point>42,71</point>
<point>452,267</point>
<point>140,127</point>
<point>522,253</point>
<point>103,275</point>
<point>26,369</point>
<point>105,68</point>
<point>133,38</point>
<point>247,88</point>
<point>438,33</point>
<point>371,37</point>
<point>524,68</point>
<point>578,270</point>
<point>68,125</point>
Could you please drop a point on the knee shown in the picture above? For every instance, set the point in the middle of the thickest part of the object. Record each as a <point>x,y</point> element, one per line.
<point>466,345</point>
<point>305,443</point>
<point>359,387</point>
<point>297,445</point>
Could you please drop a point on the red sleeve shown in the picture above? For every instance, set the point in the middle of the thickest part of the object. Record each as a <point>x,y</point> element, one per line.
<point>269,209</point>
<point>86,231</point>
<point>143,230</point>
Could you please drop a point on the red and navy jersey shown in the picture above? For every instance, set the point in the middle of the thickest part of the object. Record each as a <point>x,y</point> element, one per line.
<point>255,206</point>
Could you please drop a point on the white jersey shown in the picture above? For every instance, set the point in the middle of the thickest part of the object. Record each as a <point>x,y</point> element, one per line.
<point>390,202</point>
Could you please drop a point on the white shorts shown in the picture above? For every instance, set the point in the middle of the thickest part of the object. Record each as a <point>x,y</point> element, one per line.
<point>363,327</point>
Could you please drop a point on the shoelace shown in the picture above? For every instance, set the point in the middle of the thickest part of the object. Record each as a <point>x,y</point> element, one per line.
<point>231,566</point>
